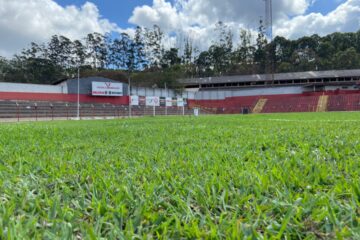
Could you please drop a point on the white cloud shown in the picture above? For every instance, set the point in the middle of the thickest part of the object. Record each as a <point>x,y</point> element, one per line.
<point>345,18</point>
<point>208,12</point>
<point>24,21</point>
<point>197,17</point>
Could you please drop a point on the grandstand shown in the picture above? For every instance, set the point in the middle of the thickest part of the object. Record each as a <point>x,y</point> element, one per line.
<point>288,92</point>
<point>34,101</point>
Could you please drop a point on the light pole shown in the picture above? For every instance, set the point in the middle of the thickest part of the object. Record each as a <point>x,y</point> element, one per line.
<point>166,97</point>
<point>129,92</point>
<point>78,94</point>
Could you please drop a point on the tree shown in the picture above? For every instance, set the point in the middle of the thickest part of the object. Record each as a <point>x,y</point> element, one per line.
<point>348,59</point>
<point>4,66</point>
<point>171,58</point>
<point>204,64</point>
<point>139,45</point>
<point>153,46</point>
<point>260,52</point>
<point>78,53</point>
<point>221,50</point>
<point>96,49</point>
<point>188,51</point>
<point>243,56</point>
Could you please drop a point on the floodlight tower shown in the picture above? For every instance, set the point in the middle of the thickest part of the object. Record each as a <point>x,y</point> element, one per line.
<point>269,33</point>
<point>269,19</point>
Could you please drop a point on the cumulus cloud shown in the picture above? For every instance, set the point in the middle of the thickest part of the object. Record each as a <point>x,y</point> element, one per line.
<point>36,20</point>
<point>345,18</point>
<point>197,17</point>
<point>22,22</point>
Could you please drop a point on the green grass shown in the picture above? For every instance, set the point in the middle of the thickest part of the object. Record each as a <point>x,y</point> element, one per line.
<point>290,176</point>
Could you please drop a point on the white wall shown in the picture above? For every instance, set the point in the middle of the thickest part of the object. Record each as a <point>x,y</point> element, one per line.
<point>160,92</point>
<point>32,88</point>
<point>222,94</point>
<point>333,88</point>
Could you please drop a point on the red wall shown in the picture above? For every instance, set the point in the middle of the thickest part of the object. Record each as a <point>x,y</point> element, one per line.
<point>57,97</point>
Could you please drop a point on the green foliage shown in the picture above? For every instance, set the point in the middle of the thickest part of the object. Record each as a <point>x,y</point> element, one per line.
<point>145,52</point>
<point>290,176</point>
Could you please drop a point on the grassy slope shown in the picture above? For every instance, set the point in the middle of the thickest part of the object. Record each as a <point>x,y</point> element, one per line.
<point>275,176</point>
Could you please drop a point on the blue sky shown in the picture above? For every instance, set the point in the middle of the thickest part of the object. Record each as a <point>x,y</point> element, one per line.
<point>25,21</point>
<point>119,11</point>
<point>324,6</point>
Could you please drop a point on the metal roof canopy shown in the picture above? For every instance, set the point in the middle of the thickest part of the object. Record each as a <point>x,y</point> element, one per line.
<point>277,77</point>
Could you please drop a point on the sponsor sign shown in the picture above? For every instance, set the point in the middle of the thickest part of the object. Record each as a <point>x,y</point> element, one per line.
<point>180,102</point>
<point>107,89</point>
<point>153,101</point>
<point>169,102</point>
<point>142,101</point>
<point>162,102</point>
<point>196,112</point>
<point>134,100</point>
<point>174,102</point>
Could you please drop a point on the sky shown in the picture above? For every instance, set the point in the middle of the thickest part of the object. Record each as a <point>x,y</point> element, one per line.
<point>25,21</point>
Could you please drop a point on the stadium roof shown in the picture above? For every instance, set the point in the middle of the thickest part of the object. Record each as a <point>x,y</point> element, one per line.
<point>277,77</point>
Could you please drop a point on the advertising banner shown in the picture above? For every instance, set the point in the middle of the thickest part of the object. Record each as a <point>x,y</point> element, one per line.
<point>196,112</point>
<point>142,101</point>
<point>109,89</point>
<point>153,101</point>
<point>169,102</point>
<point>134,100</point>
<point>180,102</point>
<point>162,102</point>
<point>174,102</point>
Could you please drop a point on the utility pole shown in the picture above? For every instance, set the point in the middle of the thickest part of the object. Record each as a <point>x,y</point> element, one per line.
<point>166,96</point>
<point>78,94</point>
<point>269,32</point>
<point>129,92</point>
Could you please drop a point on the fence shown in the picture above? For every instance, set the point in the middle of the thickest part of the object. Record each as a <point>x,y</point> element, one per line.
<point>26,110</point>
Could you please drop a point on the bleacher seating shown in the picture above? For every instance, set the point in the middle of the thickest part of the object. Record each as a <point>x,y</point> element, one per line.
<point>295,103</point>
<point>344,102</point>
<point>232,105</point>
<point>307,102</point>
<point>36,110</point>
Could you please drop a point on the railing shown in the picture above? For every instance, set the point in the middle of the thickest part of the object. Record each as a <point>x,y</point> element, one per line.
<point>25,110</point>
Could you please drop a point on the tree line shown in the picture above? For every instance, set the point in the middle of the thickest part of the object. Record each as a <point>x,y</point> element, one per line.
<point>144,56</point>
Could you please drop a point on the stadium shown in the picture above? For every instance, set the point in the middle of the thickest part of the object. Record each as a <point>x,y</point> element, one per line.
<point>286,92</point>
<point>180,119</point>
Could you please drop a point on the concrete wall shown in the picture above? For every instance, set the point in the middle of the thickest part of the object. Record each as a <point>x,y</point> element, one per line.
<point>334,88</point>
<point>86,85</point>
<point>159,92</point>
<point>33,88</point>
<point>70,87</point>
<point>222,94</point>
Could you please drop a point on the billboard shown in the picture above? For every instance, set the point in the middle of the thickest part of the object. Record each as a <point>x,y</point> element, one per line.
<point>162,102</point>
<point>169,102</point>
<point>109,89</point>
<point>180,102</point>
<point>134,100</point>
<point>153,101</point>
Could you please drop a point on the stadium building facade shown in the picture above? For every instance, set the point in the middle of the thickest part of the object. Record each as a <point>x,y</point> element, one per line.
<point>285,92</point>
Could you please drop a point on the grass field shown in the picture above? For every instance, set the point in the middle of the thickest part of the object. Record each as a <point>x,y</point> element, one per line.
<point>290,176</point>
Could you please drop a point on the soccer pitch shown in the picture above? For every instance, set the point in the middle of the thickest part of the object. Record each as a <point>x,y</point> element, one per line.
<point>293,176</point>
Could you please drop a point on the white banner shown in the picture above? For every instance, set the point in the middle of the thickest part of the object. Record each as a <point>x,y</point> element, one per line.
<point>168,102</point>
<point>196,112</point>
<point>107,89</point>
<point>153,101</point>
<point>180,102</point>
<point>134,100</point>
